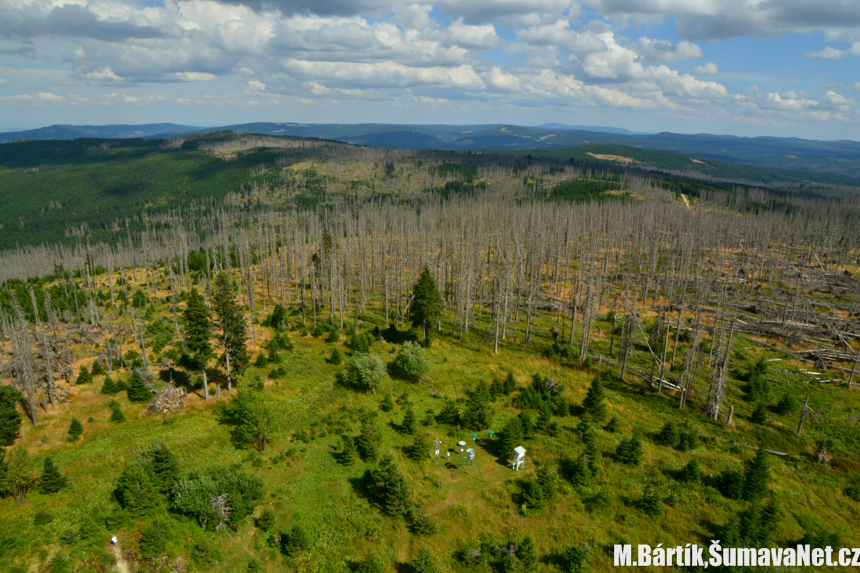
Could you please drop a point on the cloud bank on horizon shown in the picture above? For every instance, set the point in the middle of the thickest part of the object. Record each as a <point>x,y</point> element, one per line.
<point>781,67</point>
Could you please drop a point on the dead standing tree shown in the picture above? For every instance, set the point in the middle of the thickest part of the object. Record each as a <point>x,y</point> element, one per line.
<point>716,388</point>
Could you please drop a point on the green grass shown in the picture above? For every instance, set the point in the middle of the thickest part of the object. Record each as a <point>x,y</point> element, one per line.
<point>306,485</point>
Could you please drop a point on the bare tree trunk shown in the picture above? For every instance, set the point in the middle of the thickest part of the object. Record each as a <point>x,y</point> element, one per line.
<point>803,412</point>
<point>227,359</point>
<point>205,384</point>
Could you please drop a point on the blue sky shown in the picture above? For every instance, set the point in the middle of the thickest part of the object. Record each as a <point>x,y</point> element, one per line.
<point>744,67</point>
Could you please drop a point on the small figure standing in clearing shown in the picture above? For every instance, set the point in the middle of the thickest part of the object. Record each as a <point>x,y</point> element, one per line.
<point>114,540</point>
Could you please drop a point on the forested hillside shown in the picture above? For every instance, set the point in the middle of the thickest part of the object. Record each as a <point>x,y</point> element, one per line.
<point>249,368</point>
<point>63,192</point>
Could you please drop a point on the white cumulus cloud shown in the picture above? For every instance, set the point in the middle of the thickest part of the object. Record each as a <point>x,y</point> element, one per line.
<point>709,69</point>
<point>827,53</point>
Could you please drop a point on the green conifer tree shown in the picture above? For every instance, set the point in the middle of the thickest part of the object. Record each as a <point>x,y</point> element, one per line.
<point>756,476</point>
<point>478,415</point>
<point>592,450</point>
<point>576,559</point>
<point>390,488</point>
<point>548,482</point>
<point>581,472</point>
<point>630,451</point>
<point>278,319</point>
<point>510,384</point>
<point>533,496</point>
<point>296,541</point>
<point>423,562</point>
<point>97,369</point>
<point>422,524</point>
<point>348,452</point>
<point>116,414</point>
<point>162,464</point>
<point>109,387</point>
<point>689,439</point>
<point>449,414</point>
<point>731,484</point>
<point>409,422</point>
<point>272,357</point>
<point>418,450</point>
<point>198,329</point>
<point>75,430</point>
<point>137,390</point>
<point>135,491</point>
<point>368,440</point>
<point>613,426</point>
<point>426,304</point>
<point>84,376</point>
<point>527,424</point>
<point>527,554</point>
<point>510,437</point>
<point>785,405</point>
<point>593,402</point>
<point>153,540</point>
<point>233,324</point>
<point>691,472</point>
<point>651,501</point>
<point>544,418</point>
<point>759,414</point>
<point>336,357</point>
<point>10,418</point>
<point>52,480</point>
<point>668,435</point>
<point>261,361</point>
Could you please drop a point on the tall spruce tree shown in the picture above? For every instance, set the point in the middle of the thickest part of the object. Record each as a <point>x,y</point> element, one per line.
<point>233,327</point>
<point>198,326</point>
<point>477,415</point>
<point>756,476</point>
<point>592,450</point>
<point>426,305</point>
<point>162,464</point>
<point>136,492</point>
<point>348,453</point>
<point>390,488</point>
<point>52,480</point>
<point>593,404</point>
<point>417,451</point>
<point>510,437</point>
<point>449,414</point>
<point>510,384</point>
<point>580,472</point>
<point>409,422</point>
<point>368,440</point>
<point>10,418</point>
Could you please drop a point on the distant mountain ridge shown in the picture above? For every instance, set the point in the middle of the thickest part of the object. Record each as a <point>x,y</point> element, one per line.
<point>594,128</point>
<point>147,130</point>
<point>838,157</point>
